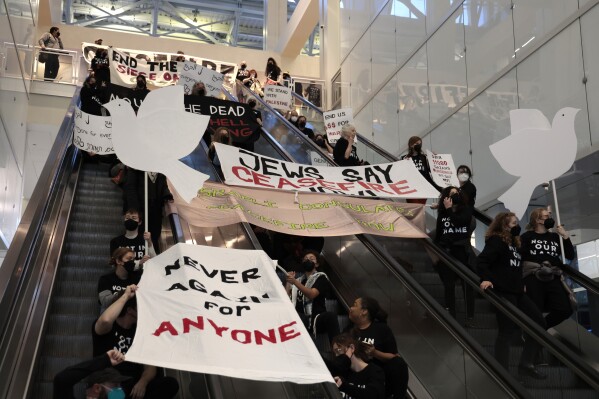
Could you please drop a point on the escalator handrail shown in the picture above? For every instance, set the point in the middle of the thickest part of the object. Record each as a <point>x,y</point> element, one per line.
<point>580,278</point>
<point>505,379</point>
<point>558,349</point>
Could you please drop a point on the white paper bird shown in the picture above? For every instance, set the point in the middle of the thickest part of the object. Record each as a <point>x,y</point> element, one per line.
<point>160,134</point>
<point>536,152</point>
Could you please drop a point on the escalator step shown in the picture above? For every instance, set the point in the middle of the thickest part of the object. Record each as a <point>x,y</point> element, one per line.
<point>44,390</point>
<point>52,365</point>
<point>68,346</point>
<point>70,324</point>
<point>76,306</point>
<point>80,273</point>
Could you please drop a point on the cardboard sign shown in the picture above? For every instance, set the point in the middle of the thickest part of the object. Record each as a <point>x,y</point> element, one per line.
<point>92,133</point>
<point>302,214</point>
<point>191,73</point>
<point>278,97</point>
<point>334,122</point>
<point>443,169</point>
<point>222,311</point>
<point>398,179</point>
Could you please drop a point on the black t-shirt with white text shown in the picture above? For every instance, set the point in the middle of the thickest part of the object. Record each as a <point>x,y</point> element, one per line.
<point>538,248</point>
<point>118,338</point>
<point>500,264</point>
<point>111,282</point>
<point>137,245</point>
<point>366,384</point>
<point>242,74</point>
<point>453,226</point>
<point>379,335</point>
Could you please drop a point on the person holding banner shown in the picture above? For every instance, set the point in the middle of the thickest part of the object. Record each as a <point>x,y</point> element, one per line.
<point>370,327</point>
<point>453,235</point>
<point>125,272</point>
<point>253,83</point>
<point>242,74</point>
<point>345,153</point>
<point>198,89</point>
<point>273,72</point>
<point>93,96</point>
<point>101,67</point>
<point>362,380</point>
<point>132,239</point>
<point>466,186</point>
<point>418,156</point>
<point>115,329</point>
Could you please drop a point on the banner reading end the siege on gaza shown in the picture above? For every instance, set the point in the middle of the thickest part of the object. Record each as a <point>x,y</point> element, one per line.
<point>222,311</point>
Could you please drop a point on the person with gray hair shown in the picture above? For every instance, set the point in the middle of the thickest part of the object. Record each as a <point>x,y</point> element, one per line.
<point>344,152</point>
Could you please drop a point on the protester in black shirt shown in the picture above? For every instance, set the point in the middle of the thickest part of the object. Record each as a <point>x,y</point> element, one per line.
<point>453,235</point>
<point>273,72</point>
<point>322,141</point>
<point>301,125</point>
<point>541,257</point>
<point>309,293</point>
<point>313,93</point>
<point>345,153</point>
<point>132,239</point>
<point>198,89</point>
<point>115,329</point>
<point>499,267</point>
<point>242,74</point>
<point>92,97</point>
<point>370,327</point>
<point>418,156</point>
<point>102,380</point>
<point>111,285</point>
<point>464,175</point>
<point>101,67</point>
<point>360,380</point>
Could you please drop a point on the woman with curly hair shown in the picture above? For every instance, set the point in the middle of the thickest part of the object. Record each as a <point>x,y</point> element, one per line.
<point>500,268</point>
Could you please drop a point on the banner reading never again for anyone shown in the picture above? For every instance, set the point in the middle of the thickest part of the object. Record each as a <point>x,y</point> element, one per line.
<point>221,311</point>
<point>304,215</point>
<point>398,179</point>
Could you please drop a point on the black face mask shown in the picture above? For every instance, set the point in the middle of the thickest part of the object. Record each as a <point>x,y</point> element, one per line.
<point>141,85</point>
<point>200,92</point>
<point>129,265</point>
<point>418,147</point>
<point>243,66</point>
<point>341,364</point>
<point>549,223</point>
<point>302,124</point>
<point>131,224</point>
<point>308,266</point>
<point>515,231</point>
<point>456,199</point>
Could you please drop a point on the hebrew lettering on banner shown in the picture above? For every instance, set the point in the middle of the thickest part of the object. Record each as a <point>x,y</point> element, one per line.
<point>222,311</point>
<point>442,169</point>
<point>191,73</point>
<point>278,97</point>
<point>334,122</point>
<point>92,133</point>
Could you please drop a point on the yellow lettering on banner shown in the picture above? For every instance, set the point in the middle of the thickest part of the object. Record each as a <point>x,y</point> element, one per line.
<point>377,226</point>
<point>244,197</point>
<point>305,226</point>
<point>355,208</point>
<point>209,192</point>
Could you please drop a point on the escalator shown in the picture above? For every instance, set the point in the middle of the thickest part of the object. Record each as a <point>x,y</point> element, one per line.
<point>569,374</point>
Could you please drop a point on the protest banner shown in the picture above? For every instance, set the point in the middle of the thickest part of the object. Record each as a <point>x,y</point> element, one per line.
<point>334,122</point>
<point>302,214</point>
<point>92,133</point>
<point>399,179</point>
<point>222,311</point>
<point>442,169</point>
<point>278,97</point>
<point>238,118</point>
<point>191,73</point>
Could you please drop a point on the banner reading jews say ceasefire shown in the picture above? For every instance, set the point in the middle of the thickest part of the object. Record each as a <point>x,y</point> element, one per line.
<point>304,215</point>
<point>92,133</point>
<point>221,311</point>
<point>442,169</point>
<point>398,179</point>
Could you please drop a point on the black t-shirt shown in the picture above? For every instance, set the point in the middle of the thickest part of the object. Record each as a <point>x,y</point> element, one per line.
<point>318,303</point>
<point>101,67</point>
<point>137,245</point>
<point>113,284</point>
<point>470,190</point>
<point>314,94</point>
<point>453,227</point>
<point>366,384</point>
<point>500,264</point>
<point>539,248</point>
<point>92,99</point>
<point>118,338</point>
<point>242,74</point>
<point>339,154</point>
<point>421,163</point>
<point>379,335</point>
<point>307,131</point>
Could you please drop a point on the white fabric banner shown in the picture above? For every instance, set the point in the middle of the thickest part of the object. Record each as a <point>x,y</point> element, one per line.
<point>278,97</point>
<point>191,73</point>
<point>335,120</point>
<point>443,169</point>
<point>92,133</point>
<point>125,68</point>
<point>399,179</point>
<point>222,311</point>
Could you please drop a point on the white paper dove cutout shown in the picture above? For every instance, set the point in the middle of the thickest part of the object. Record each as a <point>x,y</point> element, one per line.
<point>158,136</point>
<point>536,152</point>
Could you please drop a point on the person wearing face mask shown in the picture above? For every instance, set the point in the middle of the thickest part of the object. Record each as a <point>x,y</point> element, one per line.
<point>357,378</point>
<point>111,285</point>
<point>322,141</point>
<point>272,72</point>
<point>101,67</point>
<point>198,89</point>
<point>132,239</point>
<point>301,125</point>
<point>541,257</point>
<point>102,380</point>
<point>370,327</point>
<point>48,41</point>
<point>242,74</point>
<point>308,294</point>
<point>92,96</point>
<point>499,267</point>
<point>292,117</point>
<point>466,186</point>
<point>453,235</point>
<point>141,87</point>
<point>416,155</point>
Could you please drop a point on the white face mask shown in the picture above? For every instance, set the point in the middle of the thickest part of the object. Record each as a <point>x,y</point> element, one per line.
<point>463,177</point>
<point>294,119</point>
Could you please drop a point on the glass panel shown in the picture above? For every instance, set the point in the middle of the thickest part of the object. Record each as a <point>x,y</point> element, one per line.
<point>447,66</point>
<point>590,33</point>
<point>489,123</point>
<point>360,17</point>
<point>436,10</point>
<point>382,36</point>
<point>361,71</point>
<point>413,115</point>
<point>345,84</point>
<point>346,40</point>
<point>385,119</point>
<point>551,79</point>
<point>535,18</point>
<point>363,124</point>
<point>453,137</point>
<point>410,26</point>
<point>489,39</point>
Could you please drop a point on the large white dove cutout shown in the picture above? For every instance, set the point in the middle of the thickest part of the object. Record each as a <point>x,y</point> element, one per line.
<point>536,152</point>
<point>160,134</point>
